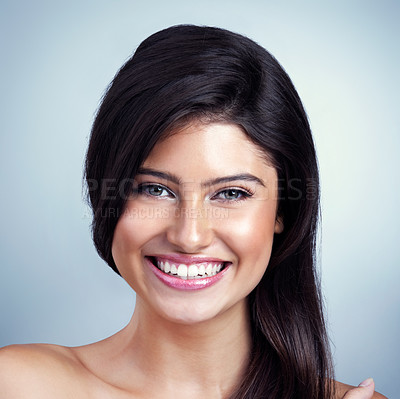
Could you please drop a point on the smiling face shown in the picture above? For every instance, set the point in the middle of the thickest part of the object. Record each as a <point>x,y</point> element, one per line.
<point>196,236</point>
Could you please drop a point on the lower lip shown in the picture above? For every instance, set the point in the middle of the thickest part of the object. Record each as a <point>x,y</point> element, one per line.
<point>186,285</point>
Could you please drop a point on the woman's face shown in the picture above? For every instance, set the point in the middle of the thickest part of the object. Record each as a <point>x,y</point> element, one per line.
<point>203,210</point>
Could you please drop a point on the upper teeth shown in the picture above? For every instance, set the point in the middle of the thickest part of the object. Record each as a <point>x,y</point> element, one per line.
<point>198,270</point>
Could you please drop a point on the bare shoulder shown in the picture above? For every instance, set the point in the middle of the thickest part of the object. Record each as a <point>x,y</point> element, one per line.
<point>38,371</point>
<point>342,389</point>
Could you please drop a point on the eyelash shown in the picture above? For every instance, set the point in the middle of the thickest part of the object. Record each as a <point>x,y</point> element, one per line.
<point>242,193</point>
<point>145,187</point>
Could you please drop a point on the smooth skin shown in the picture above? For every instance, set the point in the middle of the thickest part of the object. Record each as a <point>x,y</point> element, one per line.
<point>205,191</point>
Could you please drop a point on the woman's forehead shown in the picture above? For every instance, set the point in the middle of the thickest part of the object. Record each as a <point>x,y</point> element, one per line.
<point>202,151</point>
<point>221,139</point>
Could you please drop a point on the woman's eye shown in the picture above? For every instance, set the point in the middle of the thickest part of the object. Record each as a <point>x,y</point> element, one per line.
<point>154,190</point>
<point>232,194</point>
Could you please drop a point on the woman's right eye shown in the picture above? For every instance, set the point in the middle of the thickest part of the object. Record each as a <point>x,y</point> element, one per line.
<point>154,190</point>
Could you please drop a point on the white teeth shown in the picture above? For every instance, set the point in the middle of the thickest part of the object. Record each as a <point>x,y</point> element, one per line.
<point>193,271</point>
<point>182,270</point>
<point>202,270</point>
<point>167,267</point>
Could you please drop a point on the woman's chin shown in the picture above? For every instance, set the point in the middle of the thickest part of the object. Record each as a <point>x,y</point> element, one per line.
<point>188,315</point>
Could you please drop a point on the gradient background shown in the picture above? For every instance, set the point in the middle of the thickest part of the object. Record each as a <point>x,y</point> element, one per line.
<point>57,59</point>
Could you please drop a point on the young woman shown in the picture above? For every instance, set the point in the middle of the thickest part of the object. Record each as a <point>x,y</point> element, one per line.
<point>203,181</point>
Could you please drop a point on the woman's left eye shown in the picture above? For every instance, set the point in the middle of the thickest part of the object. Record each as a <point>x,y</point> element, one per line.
<point>154,190</point>
<point>232,194</point>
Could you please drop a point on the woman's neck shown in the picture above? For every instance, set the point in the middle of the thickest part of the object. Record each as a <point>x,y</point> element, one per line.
<point>208,356</point>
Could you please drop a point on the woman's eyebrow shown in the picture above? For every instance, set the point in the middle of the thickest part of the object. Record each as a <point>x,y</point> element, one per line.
<point>225,179</point>
<point>161,175</point>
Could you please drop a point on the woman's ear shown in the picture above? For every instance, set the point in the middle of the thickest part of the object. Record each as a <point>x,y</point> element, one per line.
<point>278,225</point>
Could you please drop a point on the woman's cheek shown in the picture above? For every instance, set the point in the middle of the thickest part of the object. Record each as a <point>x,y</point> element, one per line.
<point>135,227</point>
<point>250,233</point>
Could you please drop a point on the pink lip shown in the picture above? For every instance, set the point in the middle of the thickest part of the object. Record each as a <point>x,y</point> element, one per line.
<point>180,284</point>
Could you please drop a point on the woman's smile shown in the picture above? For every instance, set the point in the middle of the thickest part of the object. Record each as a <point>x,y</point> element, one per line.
<point>188,267</point>
<point>187,272</point>
<point>196,235</point>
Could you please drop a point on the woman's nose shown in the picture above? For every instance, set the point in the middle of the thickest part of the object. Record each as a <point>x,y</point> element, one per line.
<point>190,230</point>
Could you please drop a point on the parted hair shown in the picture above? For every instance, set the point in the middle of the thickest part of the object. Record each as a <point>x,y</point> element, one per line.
<point>186,73</point>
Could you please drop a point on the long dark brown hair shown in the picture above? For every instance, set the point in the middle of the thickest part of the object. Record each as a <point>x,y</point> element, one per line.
<point>189,72</point>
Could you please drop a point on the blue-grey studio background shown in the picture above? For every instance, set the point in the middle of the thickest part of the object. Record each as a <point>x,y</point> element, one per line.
<point>56,60</point>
